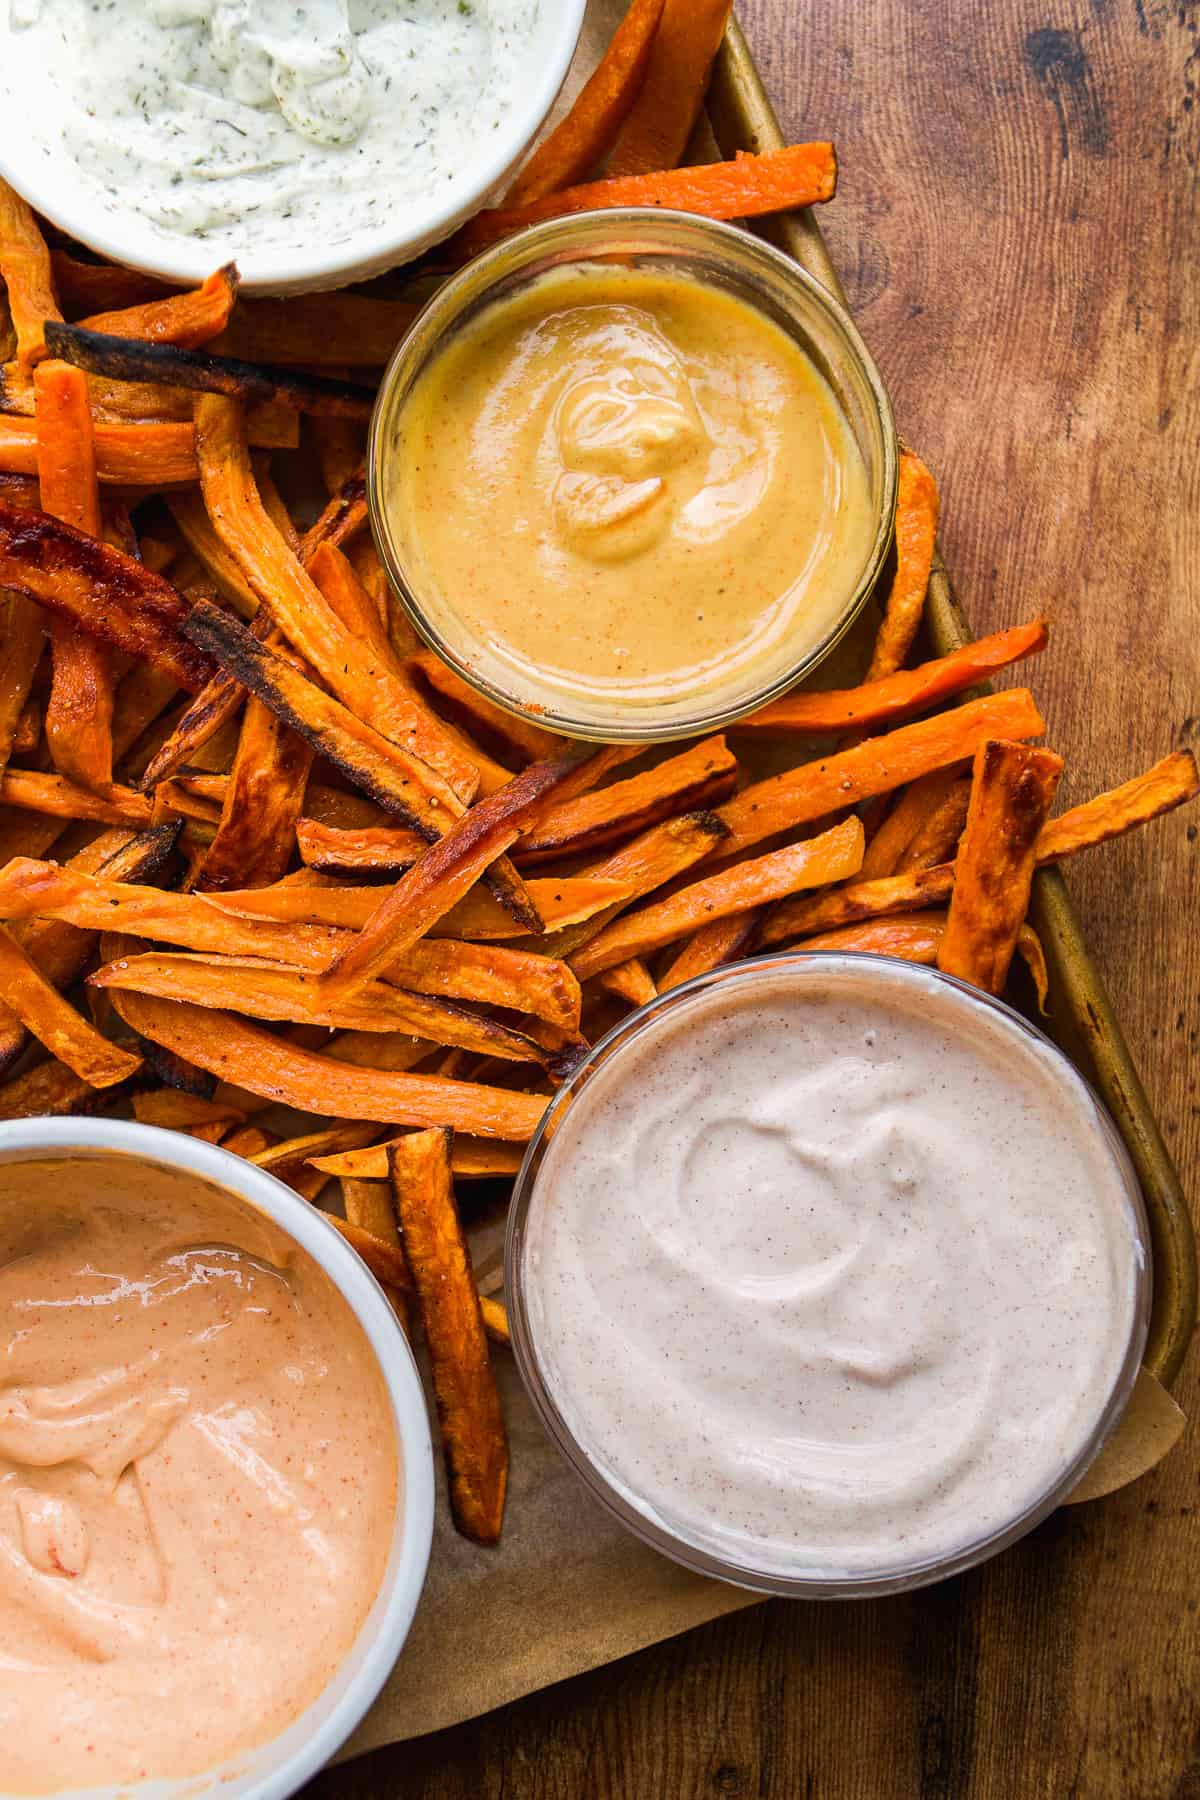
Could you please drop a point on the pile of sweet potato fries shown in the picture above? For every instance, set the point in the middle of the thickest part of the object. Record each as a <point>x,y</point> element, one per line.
<point>258,849</point>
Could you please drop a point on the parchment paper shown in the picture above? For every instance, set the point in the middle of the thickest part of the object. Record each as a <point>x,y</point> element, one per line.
<point>568,1589</point>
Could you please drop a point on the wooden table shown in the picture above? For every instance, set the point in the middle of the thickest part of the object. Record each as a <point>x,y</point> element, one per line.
<point>1019,230</point>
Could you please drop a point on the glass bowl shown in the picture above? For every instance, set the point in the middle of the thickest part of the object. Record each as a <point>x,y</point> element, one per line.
<point>649,239</point>
<point>647,1519</point>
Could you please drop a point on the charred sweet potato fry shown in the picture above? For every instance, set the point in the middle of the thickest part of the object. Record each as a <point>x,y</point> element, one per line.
<point>712,946</point>
<point>746,188</point>
<point>473,1437</point>
<point>393,776</point>
<point>584,137</point>
<point>446,872</point>
<point>834,856</point>
<point>264,798</point>
<point>214,706</point>
<point>656,133</point>
<point>27,274</point>
<point>1011,793</point>
<point>125,358</point>
<point>265,990</point>
<point>249,1057</point>
<point>470,1159</point>
<point>700,776</point>
<point>79,711</point>
<point>916,535</point>
<point>44,1013</point>
<point>187,319</point>
<point>877,705</point>
<point>100,590</point>
<point>345,514</point>
<point>874,767</point>
<point>364,678</point>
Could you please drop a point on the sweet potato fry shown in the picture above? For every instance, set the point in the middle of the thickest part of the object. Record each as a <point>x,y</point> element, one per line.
<point>586,135</point>
<point>631,981</point>
<point>246,1141</point>
<point>214,706</point>
<point>21,646</point>
<point>128,453</point>
<point>105,593</point>
<point>79,712</point>
<point>173,1110</point>
<point>568,900</point>
<point>936,839</point>
<point>333,573</point>
<point>724,941</point>
<point>48,1091</point>
<point>264,990</point>
<point>1168,784</point>
<point>513,737</point>
<point>26,271</point>
<point>917,937</point>
<point>385,1261</point>
<point>365,678</point>
<point>700,776</point>
<point>95,287</point>
<point>44,1013</point>
<point>494,1314</point>
<point>470,1159</point>
<point>372,849</point>
<point>447,871</point>
<point>746,188</point>
<point>290,1153</point>
<point>833,856</point>
<point>877,705</point>
<point>356,329</point>
<point>916,534</point>
<point>61,951</point>
<point>656,133</point>
<point>345,514</point>
<point>125,358</point>
<point>198,533</point>
<point>815,789</point>
<point>491,973</point>
<point>28,734</point>
<point>35,792</point>
<point>188,320</point>
<point>914,805</point>
<point>648,862</point>
<point>249,1057</point>
<point>369,1206</point>
<point>264,798</point>
<point>473,1436</point>
<point>806,915</point>
<point>1011,793</point>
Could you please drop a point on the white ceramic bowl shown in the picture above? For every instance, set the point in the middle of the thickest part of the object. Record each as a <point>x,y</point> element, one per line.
<point>34,164</point>
<point>277,1768</point>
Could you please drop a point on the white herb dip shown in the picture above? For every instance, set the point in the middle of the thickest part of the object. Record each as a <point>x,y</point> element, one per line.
<point>832,1273</point>
<point>254,124</point>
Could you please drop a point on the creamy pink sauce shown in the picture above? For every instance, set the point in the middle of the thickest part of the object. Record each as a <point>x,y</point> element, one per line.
<point>833,1276</point>
<point>198,1475</point>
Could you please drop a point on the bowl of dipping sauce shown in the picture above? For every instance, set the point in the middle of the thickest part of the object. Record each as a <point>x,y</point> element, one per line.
<point>216,1476</point>
<point>633,473</point>
<point>828,1274</point>
<point>313,143</point>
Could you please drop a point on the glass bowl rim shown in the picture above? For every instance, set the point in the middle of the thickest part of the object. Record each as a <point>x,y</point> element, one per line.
<point>921,1572</point>
<point>471,286</point>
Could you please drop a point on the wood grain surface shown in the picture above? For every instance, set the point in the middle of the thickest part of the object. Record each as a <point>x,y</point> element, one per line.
<point>1018,227</point>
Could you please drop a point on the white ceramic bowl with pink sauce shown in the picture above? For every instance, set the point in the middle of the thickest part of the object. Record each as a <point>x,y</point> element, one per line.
<point>281,1765</point>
